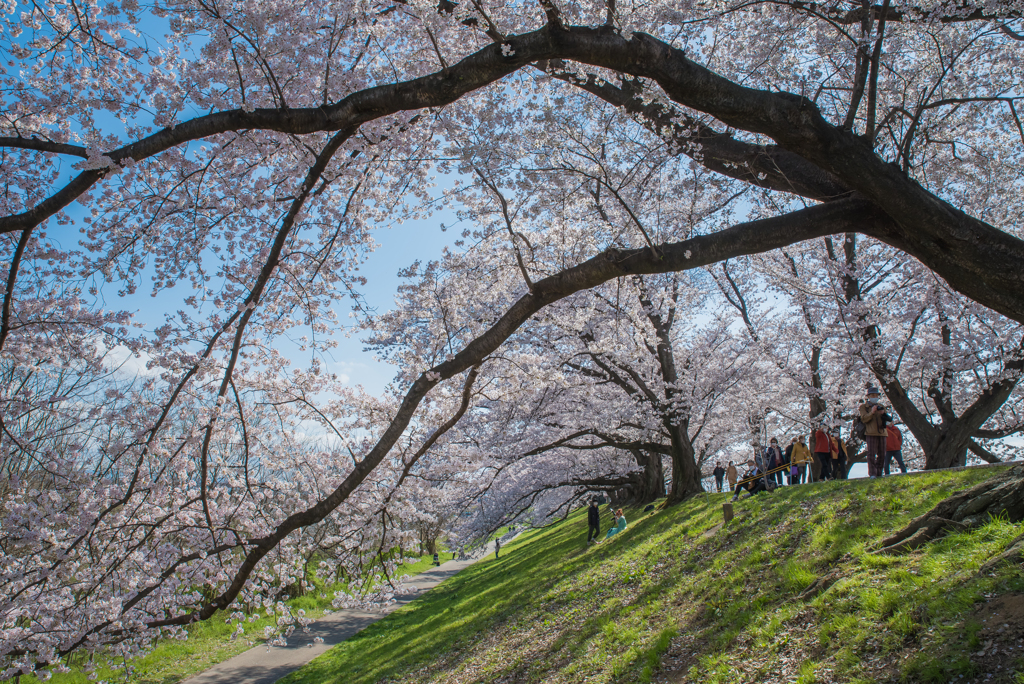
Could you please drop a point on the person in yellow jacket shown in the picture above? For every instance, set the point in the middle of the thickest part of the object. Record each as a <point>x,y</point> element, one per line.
<point>801,459</point>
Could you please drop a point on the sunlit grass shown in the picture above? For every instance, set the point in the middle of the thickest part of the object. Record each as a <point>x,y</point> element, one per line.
<point>555,610</point>
<point>679,584</point>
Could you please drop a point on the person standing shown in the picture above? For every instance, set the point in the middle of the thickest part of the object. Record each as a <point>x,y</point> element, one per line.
<point>834,454</point>
<point>801,459</point>
<point>761,461</point>
<point>594,521</point>
<point>873,415</point>
<point>497,548</point>
<point>823,452</point>
<point>787,455</point>
<point>719,473</point>
<point>893,447</point>
<point>773,461</point>
<point>731,475</point>
<point>842,458</point>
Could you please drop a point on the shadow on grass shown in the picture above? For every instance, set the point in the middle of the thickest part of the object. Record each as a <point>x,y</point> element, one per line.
<point>679,586</point>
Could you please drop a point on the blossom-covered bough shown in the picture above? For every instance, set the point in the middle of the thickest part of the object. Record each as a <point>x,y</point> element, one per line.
<point>246,151</point>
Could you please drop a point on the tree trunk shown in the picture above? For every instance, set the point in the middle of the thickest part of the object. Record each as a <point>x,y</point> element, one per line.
<point>651,480</point>
<point>947,450</point>
<point>685,474</point>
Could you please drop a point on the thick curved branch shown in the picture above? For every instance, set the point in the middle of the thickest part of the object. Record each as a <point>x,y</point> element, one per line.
<point>745,238</point>
<point>766,166</point>
<point>974,257</point>
<point>983,453</point>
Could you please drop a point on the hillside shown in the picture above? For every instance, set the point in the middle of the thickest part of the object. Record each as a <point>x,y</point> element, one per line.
<point>679,598</point>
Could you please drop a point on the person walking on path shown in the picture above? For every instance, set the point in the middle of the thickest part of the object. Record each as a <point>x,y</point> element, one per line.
<point>823,452</point>
<point>801,458</point>
<point>593,521</point>
<point>620,525</point>
<point>874,417</point>
<point>773,461</point>
<point>719,473</point>
<point>497,548</point>
<point>731,475</point>
<point>893,447</point>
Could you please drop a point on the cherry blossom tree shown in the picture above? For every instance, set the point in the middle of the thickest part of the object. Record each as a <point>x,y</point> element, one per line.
<point>245,152</point>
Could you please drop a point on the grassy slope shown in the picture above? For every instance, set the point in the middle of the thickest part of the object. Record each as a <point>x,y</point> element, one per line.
<point>678,598</point>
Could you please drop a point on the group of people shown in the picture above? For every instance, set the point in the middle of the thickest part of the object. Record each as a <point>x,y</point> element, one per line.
<point>768,469</point>
<point>772,466</point>
<point>594,523</point>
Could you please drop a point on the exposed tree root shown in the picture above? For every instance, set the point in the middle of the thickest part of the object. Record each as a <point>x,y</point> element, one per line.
<point>1002,495</point>
<point>1014,553</point>
<point>821,585</point>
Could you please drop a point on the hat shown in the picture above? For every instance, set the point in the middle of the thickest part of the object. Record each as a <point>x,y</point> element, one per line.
<point>873,390</point>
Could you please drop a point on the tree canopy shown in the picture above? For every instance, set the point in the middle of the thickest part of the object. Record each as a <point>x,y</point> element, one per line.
<point>690,223</point>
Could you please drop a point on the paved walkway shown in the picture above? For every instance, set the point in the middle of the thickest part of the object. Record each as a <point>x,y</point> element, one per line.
<point>259,665</point>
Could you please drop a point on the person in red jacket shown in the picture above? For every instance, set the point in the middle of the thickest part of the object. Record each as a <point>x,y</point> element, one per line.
<point>823,452</point>
<point>893,447</point>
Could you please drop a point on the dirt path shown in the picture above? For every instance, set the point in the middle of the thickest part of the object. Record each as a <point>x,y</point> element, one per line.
<point>260,665</point>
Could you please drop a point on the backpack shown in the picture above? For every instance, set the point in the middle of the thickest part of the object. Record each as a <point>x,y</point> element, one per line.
<point>859,428</point>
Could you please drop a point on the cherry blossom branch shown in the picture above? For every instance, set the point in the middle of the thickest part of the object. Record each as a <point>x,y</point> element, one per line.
<point>12,280</point>
<point>984,265</point>
<point>508,224</point>
<point>43,146</point>
<point>314,174</point>
<point>697,252</point>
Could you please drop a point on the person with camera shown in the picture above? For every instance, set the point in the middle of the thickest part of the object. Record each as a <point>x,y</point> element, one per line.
<point>874,418</point>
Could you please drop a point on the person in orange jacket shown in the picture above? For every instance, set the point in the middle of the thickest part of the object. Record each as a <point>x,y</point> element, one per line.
<point>838,457</point>
<point>893,447</point>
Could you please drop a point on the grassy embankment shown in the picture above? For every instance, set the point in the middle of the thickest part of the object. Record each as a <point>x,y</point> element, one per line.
<point>209,642</point>
<point>679,598</point>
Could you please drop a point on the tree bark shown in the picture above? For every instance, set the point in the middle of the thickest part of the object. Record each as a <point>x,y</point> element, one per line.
<point>999,496</point>
<point>974,257</point>
<point>650,481</point>
<point>685,474</point>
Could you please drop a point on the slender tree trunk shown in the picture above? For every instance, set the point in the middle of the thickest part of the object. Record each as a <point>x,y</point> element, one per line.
<point>685,472</point>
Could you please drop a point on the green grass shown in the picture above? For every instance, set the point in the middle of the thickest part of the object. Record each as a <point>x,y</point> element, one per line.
<point>714,604</point>
<point>209,642</point>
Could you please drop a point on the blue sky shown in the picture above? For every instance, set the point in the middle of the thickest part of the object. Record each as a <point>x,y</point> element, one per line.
<point>399,246</point>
